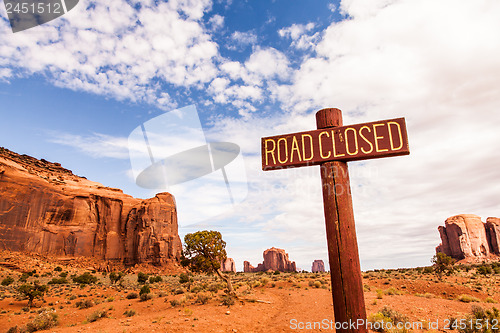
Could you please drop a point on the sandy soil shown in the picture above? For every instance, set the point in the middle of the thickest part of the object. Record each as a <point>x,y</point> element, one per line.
<point>283,304</point>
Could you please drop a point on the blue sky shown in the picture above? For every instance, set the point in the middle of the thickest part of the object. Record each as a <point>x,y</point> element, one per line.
<point>72,91</point>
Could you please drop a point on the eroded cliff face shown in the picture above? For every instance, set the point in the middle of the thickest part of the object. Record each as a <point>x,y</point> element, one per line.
<point>466,236</point>
<point>46,209</point>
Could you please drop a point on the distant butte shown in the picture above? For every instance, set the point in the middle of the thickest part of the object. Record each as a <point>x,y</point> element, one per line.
<point>274,260</point>
<point>466,237</point>
<point>46,209</point>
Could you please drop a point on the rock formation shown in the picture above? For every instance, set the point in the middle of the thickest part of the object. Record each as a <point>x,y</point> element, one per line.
<point>274,260</point>
<point>318,266</point>
<point>228,265</point>
<point>466,236</point>
<point>46,209</point>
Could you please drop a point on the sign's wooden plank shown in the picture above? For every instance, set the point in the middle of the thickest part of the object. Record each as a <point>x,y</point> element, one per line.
<point>347,143</point>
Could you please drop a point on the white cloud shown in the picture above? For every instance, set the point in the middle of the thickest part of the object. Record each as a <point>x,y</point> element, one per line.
<point>112,49</point>
<point>244,38</point>
<point>298,33</point>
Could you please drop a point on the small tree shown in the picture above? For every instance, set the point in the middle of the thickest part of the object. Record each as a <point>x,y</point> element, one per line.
<point>32,291</point>
<point>203,252</point>
<point>442,263</point>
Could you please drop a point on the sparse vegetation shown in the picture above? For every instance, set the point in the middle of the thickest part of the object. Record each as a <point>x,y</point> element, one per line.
<point>85,278</point>
<point>7,281</point>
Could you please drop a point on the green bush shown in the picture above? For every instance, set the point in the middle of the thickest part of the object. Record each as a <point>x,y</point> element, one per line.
<point>145,290</point>
<point>58,269</point>
<point>142,278</point>
<point>154,279</point>
<point>227,300</point>
<point>58,281</point>
<point>146,297</point>
<point>7,281</point>
<point>85,278</point>
<point>115,277</point>
<point>183,278</point>
<point>484,270</point>
<point>24,277</point>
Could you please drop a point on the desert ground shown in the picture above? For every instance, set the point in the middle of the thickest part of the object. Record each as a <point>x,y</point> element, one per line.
<point>267,302</point>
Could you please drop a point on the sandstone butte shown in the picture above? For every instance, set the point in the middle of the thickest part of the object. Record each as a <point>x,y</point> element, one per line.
<point>46,209</point>
<point>466,237</point>
<point>228,265</point>
<point>274,260</point>
<point>318,266</point>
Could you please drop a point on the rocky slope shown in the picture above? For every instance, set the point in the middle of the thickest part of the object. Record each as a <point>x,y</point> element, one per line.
<point>46,209</point>
<point>274,260</point>
<point>465,236</point>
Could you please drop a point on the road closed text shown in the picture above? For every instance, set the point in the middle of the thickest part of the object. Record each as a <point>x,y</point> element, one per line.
<point>346,143</point>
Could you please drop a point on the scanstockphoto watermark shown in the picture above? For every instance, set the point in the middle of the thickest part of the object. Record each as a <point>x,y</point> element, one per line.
<point>379,326</point>
<point>26,14</point>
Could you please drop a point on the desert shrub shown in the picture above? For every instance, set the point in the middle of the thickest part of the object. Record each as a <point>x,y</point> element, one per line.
<point>129,313</point>
<point>317,284</point>
<point>24,277</point>
<point>227,300</point>
<point>43,321</point>
<point>175,303</point>
<point>146,297</point>
<point>264,281</point>
<point>387,318</point>
<point>428,270</point>
<point>155,279</point>
<point>277,273</point>
<point>142,278</point>
<point>214,287</point>
<point>489,300</point>
<point>467,298</point>
<point>479,321</point>
<point>115,277</point>
<point>95,316</point>
<point>7,281</point>
<point>58,269</point>
<point>84,304</point>
<point>63,274</point>
<point>58,281</point>
<point>380,294</point>
<point>132,295</point>
<point>484,270</point>
<point>203,297</point>
<point>85,278</point>
<point>426,295</point>
<point>392,291</point>
<point>145,290</point>
<point>183,278</point>
<point>178,291</point>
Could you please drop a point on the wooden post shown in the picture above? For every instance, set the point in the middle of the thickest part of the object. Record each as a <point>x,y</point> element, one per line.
<point>345,270</point>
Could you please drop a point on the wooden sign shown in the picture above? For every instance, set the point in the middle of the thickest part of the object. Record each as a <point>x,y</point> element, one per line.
<point>347,143</point>
<point>331,146</point>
